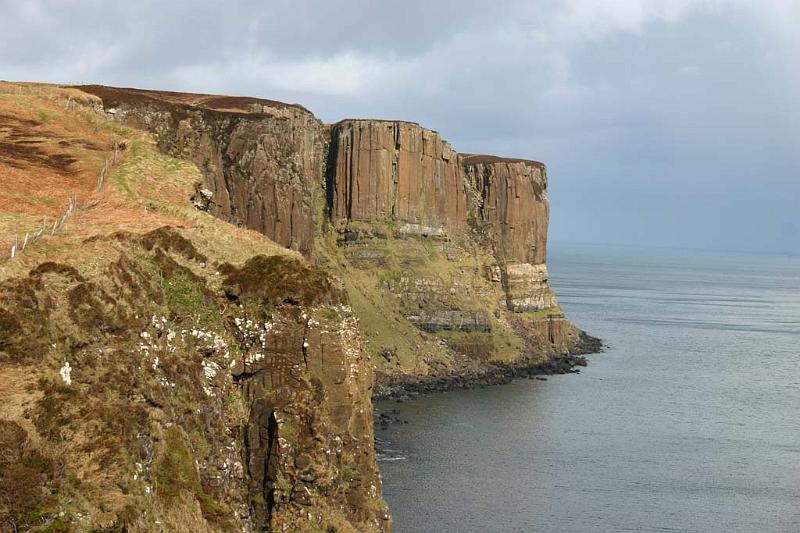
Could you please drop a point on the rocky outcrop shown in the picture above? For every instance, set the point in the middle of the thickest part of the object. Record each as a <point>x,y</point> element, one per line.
<point>391,170</point>
<point>307,379</point>
<point>527,288</point>
<point>166,383</point>
<point>262,160</point>
<point>450,320</point>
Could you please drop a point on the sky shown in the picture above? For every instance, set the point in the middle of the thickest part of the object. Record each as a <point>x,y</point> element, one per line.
<point>662,122</point>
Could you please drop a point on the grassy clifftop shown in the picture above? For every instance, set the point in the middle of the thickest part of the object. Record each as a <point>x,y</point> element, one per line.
<point>53,145</point>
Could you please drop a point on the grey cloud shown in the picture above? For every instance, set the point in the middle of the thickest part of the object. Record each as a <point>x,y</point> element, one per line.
<point>665,123</point>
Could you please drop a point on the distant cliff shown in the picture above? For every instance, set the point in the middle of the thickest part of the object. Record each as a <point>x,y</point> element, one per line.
<point>443,254</point>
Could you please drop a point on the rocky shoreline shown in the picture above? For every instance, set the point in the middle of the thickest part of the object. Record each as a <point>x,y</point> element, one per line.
<point>405,387</point>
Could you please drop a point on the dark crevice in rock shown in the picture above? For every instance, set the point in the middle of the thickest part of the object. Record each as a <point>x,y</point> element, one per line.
<point>261,449</point>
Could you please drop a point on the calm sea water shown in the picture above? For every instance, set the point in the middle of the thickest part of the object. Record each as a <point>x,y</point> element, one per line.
<point>690,421</point>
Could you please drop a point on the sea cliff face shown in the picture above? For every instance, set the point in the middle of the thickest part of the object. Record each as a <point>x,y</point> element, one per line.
<point>454,244</point>
<point>389,170</point>
<point>443,254</point>
<point>261,159</point>
<point>222,381</point>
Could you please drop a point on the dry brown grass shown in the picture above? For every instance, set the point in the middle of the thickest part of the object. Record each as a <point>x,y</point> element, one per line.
<point>239,104</point>
<point>50,150</point>
<point>143,191</point>
<point>184,514</point>
<point>27,478</point>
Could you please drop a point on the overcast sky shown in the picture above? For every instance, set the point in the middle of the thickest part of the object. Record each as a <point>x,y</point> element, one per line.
<point>670,123</point>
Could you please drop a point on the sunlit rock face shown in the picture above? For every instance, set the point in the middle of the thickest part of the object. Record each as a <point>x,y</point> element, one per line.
<point>395,170</point>
<point>442,254</point>
<point>263,160</point>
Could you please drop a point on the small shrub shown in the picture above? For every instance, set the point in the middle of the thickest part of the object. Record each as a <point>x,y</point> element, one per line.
<point>188,297</point>
<point>175,474</point>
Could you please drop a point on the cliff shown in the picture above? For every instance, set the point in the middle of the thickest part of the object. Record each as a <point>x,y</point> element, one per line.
<point>162,369</point>
<point>443,254</point>
<point>383,170</point>
<point>453,244</point>
<point>207,291</point>
<point>261,159</point>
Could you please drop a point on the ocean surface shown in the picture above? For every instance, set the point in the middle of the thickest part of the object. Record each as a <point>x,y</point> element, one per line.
<point>689,421</point>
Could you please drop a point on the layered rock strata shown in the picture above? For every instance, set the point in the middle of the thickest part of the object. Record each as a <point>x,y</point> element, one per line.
<point>377,201</point>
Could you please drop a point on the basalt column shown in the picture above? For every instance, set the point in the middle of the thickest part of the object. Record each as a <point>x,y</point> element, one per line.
<point>390,170</point>
<point>262,160</point>
<point>513,211</point>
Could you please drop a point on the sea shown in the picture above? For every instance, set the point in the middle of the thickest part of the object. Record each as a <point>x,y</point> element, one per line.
<point>688,421</point>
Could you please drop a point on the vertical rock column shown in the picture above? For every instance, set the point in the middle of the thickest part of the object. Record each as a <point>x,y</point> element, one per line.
<point>512,211</point>
<point>263,161</point>
<point>390,170</point>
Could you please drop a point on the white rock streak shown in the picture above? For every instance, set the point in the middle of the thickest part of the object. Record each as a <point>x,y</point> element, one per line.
<point>65,373</point>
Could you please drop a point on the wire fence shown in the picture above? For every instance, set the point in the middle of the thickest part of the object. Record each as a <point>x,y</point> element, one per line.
<point>101,179</point>
<point>31,237</point>
<point>21,242</point>
<point>51,93</point>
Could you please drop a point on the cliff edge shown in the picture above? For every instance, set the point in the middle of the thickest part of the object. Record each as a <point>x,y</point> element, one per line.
<point>443,254</point>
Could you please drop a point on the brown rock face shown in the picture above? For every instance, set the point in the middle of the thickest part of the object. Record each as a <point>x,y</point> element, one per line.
<point>381,170</point>
<point>307,379</point>
<point>512,210</point>
<point>513,204</point>
<point>389,170</point>
<point>264,163</point>
<point>263,160</point>
<point>403,173</point>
